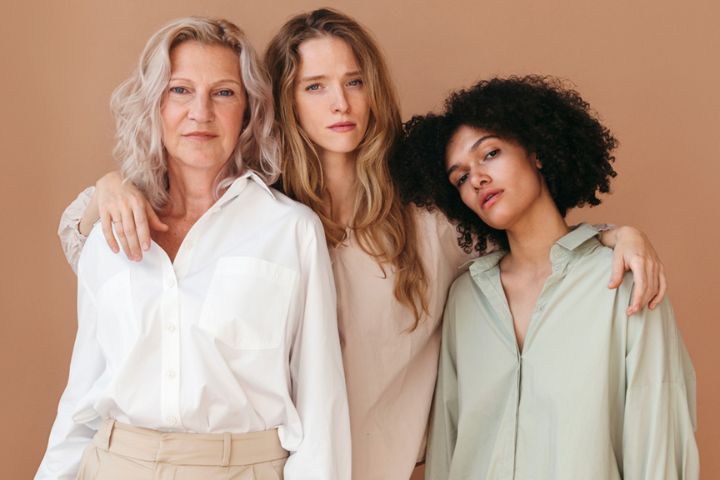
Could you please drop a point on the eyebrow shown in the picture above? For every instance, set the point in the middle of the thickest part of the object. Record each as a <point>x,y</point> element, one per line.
<point>321,77</point>
<point>224,80</point>
<point>472,148</point>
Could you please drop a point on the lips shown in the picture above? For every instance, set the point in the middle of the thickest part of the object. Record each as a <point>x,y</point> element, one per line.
<point>341,127</point>
<point>200,136</point>
<point>490,198</point>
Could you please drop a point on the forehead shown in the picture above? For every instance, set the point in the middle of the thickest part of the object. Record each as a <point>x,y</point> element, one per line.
<point>462,141</point>
<point>193,59</point>
<point>326,55</point>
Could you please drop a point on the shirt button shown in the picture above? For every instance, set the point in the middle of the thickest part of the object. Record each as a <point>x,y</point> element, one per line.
<point>170,374</point>
<point>171,419</point>
<point>171,328</point>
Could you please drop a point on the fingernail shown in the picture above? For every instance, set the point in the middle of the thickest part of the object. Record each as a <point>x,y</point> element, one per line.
<point>146,245</point>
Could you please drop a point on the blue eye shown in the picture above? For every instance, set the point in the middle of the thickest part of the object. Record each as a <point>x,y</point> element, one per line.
<point>178,90</point>
<point>313,87</point>
<point>225,93</point>
<point>357,82</point>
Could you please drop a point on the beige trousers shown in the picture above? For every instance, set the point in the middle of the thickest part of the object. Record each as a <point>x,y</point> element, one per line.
<point>123,452</point>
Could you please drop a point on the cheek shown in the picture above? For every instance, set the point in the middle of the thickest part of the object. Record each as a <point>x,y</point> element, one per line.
<point>361,105</point>
<point>468,197</point>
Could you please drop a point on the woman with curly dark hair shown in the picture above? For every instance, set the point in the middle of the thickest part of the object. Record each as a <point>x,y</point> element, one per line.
<point>543,373</point>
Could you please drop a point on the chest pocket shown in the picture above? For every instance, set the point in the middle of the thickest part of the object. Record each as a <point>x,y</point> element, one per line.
<point>247,303</point>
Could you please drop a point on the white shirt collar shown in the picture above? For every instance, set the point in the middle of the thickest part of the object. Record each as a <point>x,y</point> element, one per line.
<point>239,184</point>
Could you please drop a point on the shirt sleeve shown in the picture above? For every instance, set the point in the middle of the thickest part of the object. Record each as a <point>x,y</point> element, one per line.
<point>660,417</point>
<point>71,240</point>
<point>319,391</point>
<point>70,434</point>
<point>444,422</point>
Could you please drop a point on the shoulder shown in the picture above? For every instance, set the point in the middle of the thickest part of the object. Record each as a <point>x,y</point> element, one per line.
<point>439,235</point>
<point>294,208</point>
<point>97,262</point>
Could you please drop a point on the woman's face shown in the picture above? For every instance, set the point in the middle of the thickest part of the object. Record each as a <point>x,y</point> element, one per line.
<point>331,101</point>
<point>203,106</point>
<point>497,179</point>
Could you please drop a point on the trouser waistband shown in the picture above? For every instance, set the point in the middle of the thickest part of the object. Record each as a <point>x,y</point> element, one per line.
<point>222,449</point>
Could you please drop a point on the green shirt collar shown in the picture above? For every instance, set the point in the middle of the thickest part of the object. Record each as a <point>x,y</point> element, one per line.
<point>576,242</point>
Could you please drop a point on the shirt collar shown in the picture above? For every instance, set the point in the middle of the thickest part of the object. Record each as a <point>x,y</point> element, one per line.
<point>576,242</point>
<point>238,185</point>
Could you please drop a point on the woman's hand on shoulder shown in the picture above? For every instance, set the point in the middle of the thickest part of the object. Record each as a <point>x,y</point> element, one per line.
<point>633,251</point>
<point>122,206</point>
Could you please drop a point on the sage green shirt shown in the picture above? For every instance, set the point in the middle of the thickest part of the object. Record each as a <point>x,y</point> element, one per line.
<point>594,394</point>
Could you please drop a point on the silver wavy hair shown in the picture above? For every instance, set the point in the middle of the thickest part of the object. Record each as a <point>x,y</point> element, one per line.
<point>136,107</point>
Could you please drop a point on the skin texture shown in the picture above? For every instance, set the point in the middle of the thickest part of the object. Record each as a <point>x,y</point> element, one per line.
<point>481,163</point>
<point>329,91</point>
<point>202,114</point>
<point>203,105</point>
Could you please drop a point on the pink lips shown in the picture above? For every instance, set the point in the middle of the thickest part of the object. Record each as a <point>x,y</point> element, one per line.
<point>341,127</point>
<point>490,198</point>
<point>199,136</point>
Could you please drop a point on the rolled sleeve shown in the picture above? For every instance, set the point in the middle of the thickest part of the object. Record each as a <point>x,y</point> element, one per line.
<point>71,240</point>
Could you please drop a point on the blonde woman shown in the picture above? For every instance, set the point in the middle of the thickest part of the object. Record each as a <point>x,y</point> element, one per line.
<point>338,119</point>
<point>218,355</point>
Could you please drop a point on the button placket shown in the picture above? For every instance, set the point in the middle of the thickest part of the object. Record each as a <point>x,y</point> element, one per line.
<point>170,349</point>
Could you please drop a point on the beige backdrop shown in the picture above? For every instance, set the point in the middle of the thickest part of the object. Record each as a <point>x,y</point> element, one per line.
<point>649,67</point>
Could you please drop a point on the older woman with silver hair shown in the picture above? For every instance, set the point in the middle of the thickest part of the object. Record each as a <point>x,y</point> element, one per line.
<point>218,356</point>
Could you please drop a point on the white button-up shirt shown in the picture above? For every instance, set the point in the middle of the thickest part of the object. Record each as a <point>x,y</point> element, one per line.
<point>238,334</point>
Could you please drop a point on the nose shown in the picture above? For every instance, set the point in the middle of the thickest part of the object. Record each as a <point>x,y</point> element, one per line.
<point>340,103</point>
<point>201,108</point>
<point>478,177</point>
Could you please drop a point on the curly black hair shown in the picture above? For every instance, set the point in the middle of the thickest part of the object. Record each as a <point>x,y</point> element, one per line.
<point>540,114</point>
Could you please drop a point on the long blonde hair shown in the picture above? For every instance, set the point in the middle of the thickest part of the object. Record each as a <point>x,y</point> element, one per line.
<point>136,107</point>
<point>382,227</point>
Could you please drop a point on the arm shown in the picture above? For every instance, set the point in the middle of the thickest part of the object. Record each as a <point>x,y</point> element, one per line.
<point>69,436</point>
<point>72,239</point>
<point>633,251</point>
<point>660,418</point>
<point>319,391</point>
<point>444,422</point>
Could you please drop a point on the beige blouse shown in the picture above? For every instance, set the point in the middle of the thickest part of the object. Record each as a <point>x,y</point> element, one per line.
<point>390,371</point>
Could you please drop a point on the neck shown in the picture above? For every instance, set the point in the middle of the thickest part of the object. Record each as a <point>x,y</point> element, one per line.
<point>533,235</point>
<point>340,176</point>
<point>191,191</point>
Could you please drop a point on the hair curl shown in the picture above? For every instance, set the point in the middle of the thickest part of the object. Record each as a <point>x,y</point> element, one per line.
<point>136,107</point>
<point>541,114</point>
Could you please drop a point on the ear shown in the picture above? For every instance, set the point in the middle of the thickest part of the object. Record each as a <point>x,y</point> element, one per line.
<point>536,161</point>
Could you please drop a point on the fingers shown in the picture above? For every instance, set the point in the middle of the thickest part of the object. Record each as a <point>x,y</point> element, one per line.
<point>134,252</point>
<point>155,222</point>
<point>118,228</point>
<point>618,271</point>
<point>662,288</point>
<point>639,291</point>
<point>141,225</point>
<point>106,221</point>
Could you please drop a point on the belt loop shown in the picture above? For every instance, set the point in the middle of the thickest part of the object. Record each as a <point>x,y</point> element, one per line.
<point>104,434</point>
<point>227,448</point>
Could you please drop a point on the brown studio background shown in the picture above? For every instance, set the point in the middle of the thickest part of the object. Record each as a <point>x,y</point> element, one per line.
<point>650,68</point>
